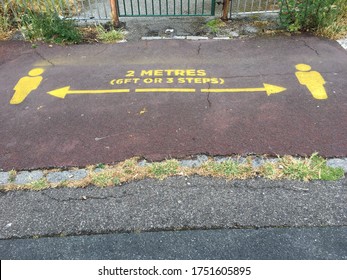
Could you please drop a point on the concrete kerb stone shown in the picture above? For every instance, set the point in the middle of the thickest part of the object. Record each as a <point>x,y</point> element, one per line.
<point>338,162</point>
<point>72,175</point>
<point>193,38</point>
<point>27,177</point>
<point>194,162</point>
<point>343,43</point>
<point>4,176</point>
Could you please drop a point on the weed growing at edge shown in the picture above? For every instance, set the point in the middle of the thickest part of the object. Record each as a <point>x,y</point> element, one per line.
<point>49,27</point>
<point>164,169</point>
<point>5,27</point>
<point>102,179</point>
<point>287,167</point>
<point>324,17</point>
<point>109,36</point>
<point>12,175</point>
<point>215,25</point>
<point>39,184</point>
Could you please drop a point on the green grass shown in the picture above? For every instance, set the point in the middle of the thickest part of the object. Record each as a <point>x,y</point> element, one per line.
<point>161,170</point>
<point>287,167</point>
<point>228,169</point>
<point>312,168</point>
<point>100,165</point>
<point>102,179</point>
<point>215,25</point>
<point>109,36</point>
<point>5,27</point>
<point>334,25</point>
<point>12,175</point>
<point>39,184</point>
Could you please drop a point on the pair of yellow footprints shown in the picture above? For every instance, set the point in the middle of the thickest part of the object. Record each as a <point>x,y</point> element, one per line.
<point>313,81</point>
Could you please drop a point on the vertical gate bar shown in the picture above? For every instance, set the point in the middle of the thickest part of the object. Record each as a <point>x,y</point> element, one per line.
<point>259,6</point>
<point>160,7</point>
<point>59,3</point>
<point>252,5</point>
<point>125,8</point>
<point>181,8</point>
<point>266,5</point>
<point>213,8</point>
<point>146,7</point>
<point>226,5</point>
<point>244,8</point>
<point>76,7</point>
<point>203,7</point>
<point>167,7</point>
<point>83,9</point>
<point>138,7</point>
<point>174,7</point>
<point>114,11</point>
<point>50,7</point>
<point>97,7</point>
<point>131,7</point>
<point>238,6</point>
<point>91,11</point>
<point>188,7</point>
<point>196,4</point>
<point>152,7</point>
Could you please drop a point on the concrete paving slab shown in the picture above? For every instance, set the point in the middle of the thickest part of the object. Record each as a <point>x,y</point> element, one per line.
<point>145,119</point>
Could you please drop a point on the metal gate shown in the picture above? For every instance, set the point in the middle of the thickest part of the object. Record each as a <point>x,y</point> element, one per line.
<point>161,8</point>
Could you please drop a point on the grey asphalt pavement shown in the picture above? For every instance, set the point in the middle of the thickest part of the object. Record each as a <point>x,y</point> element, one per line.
<point>240,244</point>
<point>173,204</point>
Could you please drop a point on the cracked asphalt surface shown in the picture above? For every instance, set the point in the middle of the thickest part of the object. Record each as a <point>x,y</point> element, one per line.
<point>173,204</point>
<point>252,219</point>
<point>84,129</point>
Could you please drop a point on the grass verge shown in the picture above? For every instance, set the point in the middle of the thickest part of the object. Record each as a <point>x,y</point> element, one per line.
<point>304,169</point>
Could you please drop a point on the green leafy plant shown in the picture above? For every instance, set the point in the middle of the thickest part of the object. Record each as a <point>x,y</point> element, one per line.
<point>5,25</point>
<point>313,15</point>
<point>215,25</point>
<point>109,35</point>
<point>49,27</point>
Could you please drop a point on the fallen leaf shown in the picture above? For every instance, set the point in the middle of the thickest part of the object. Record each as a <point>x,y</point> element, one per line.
<point>144,110</point>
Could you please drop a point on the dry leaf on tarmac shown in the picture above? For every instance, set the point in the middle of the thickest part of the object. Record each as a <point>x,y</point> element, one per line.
<point>144,110</point>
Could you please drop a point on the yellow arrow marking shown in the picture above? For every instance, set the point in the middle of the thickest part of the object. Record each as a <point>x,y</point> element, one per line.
<point>165,90</point>
<point>62,92</point>
<point>269,89</point>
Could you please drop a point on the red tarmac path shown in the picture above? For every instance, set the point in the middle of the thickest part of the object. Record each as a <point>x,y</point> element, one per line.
<point>83,128</point>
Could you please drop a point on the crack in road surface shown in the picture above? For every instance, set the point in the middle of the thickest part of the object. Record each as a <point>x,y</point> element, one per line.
<point>87,197</point>
<point>44,58</point>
